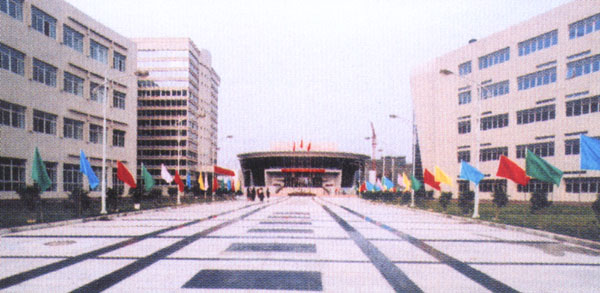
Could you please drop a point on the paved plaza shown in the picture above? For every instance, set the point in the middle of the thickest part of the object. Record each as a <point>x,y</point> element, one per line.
<point>328,244</point>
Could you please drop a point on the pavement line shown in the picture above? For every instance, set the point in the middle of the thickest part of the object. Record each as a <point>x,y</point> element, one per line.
<point>121,274</point>
<point>394,276</point>
<point>39,271</point>
<point>463,268</point>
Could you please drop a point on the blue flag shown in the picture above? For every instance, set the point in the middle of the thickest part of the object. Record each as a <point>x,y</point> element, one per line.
<point>370,187</point>
<point>469,172</point>
<point>229,184</point>
<point>189,180</point>
<point>387,183</point>
<point>590,153</point>
<point>86,169</point>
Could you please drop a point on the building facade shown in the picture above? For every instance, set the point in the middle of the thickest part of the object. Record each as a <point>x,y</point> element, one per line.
<point>534,86</point>
<point>177,107</point>
<point>56,66</point>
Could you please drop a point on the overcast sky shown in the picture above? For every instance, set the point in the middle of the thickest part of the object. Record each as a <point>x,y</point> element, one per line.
<point>315,70</point>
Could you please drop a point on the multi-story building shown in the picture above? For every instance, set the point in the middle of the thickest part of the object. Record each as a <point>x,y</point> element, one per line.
<point>56,65</point>
<point>177,107</point>
<point>535,85</point>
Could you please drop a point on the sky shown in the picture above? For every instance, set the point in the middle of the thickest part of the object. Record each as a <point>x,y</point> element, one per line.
<point>315,70</point>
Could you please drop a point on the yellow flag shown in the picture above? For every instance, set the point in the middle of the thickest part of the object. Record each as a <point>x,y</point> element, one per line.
<point>201,182</point>
<point>406,182</point>
<point>237,185</point>
<point>440,176</point>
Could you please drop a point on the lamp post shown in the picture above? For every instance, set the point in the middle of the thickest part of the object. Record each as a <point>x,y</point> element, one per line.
<point>477,131</point>
<point>414,145</point>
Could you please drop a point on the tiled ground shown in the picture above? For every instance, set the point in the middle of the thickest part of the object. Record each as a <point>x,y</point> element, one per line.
<point>291,244</point>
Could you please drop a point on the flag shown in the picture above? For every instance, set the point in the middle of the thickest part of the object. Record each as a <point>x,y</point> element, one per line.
<point>178,181</point>
<point>430,180</point>
<point>415,183</point>
<point>165,175</point>
<point>378,186</point>
<point>148,180</point>
<point>201,182</point>
<point>510,170</point>
<point>39,172</point>
<point>590,153</point>
<point>301,143</point>
<point>86,169</point>
<point>308,147</point>
<point>387,183</point>
<point>124,175</point>
<point>468,172</point>
<point>206,181</point>
<point>188,180</point>
<point>538,168</point>
<point>294,148</point>
<point>406,182</point>
<point>215,183</point>
<point>237,185</point>
<point>363,187</point>
<point>370,187</point>
<point>229,184</point>
<point>440,176</point>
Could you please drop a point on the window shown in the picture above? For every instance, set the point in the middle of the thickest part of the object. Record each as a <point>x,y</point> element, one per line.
<point>584,26</point>
<point>494,90</point>
<point>539,78</point>
<point>13,8</point>
<point>536,114</point>
<point>44,122</point>
<point>464,68</point>
<point>12,115</point>
<point>96,92</point>
<point>51,169</point>
<point>582,106</point>
<point>12,174</point>
<point>492,154</point>
<point>464,156</point>
<point>464,98</point>
<point>95,133</point>
<point>491,185</point>
<point>73,38</point>
<point>118,138</point>
<point>11,59</point>
<point>544,149</point>
<point>496,121</point>
<point>583,66</point>
<point>119,61</point>
<point>494,58</point>
<point>98,52</point>
<point>73,129</point>
<point>583,185</point>
<point>535,185</point>
<point>538,43</point>
<point>72,178</point>
<point>464,127</point>
<point>44,73</point>
<point>572,146</point>
<point>73,84</point>
<point>118,100</point>
<point>42,22</point>
<point>117,184</point>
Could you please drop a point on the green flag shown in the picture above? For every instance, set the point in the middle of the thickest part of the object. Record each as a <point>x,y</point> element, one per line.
<point>148,180</point>
<point>538,168</point>
<point>39,173</point>
<point>415,183</point>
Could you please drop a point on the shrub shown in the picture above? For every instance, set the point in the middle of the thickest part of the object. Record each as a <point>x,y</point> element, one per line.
<point>465,201</point>
<point>30,196</point>
<point>172,191</point>
<point>112,199</point>
<point>406,197</point>
<point>429,194</point>
<point>539,200</point>
<point>445,198</point>
<point>137,194</point>
<point>81,199</point>
<point>500,199</point>
<point>155,194</point>
<point>596,207</point>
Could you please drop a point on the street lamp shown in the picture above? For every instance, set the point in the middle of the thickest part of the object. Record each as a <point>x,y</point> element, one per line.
<point>104,106</point>
<point>414,145</point>
<point>477,129</point>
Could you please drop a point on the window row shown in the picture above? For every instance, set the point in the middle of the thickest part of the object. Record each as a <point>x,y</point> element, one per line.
<point>161,132</point>
<point>582,185</point>
<point>537,114</point>
<point>14,8</point>
<point>161,93</point>
<point>494,90</point>
<point>492,122</point>
<point>584,26</point>
<point>494,58</point>
<point>464,98</point>
<point>465,68</point>
<point>164,142</point>
<point>162,103</point>
<point>12,60</point>
<point>538,43</point>
<point>12,114</point>
<point>464,156</point>
<point>464,127</point>
<point>160,122</point>
<point>539,78</point>
<point>535,185</point>
<point>491,185</point>
<point>542,149</point>
<point>582,106</point>
<point>159,153</point>
<point>492,154</point>
<point>152,113</point>
<point>583,66</point>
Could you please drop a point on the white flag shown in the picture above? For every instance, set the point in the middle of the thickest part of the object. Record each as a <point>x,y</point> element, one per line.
<point>164,174</point>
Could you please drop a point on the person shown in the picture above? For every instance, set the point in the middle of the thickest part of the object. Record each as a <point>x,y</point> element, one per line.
<point>268,194</point>
<point>261,195</point>
<point>248,192</point>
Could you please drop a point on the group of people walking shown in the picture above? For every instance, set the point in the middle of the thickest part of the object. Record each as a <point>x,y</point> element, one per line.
<point>252,193</point>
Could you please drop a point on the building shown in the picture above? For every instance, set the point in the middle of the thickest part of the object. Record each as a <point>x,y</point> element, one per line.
<point>314,171</point>
<point>177,107</point>
<point>532,86</point>
<point>55,63</point>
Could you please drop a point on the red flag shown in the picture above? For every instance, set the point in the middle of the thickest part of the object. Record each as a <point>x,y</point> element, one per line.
<point>215,183</point>
<point>178,181</point>
<point>124,175</point>
<point>363,187</point>
<point>294,149</point>
<point>510,170</point>
<point>308,147</point>
<point>430,180</point>
<point>301,143</point>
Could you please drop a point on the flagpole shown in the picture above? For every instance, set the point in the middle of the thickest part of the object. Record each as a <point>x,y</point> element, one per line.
<point>178,156</point>
<point>103,192</point>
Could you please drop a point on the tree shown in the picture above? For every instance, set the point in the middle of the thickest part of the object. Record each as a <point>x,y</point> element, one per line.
<point>465,201</point>
<point>445,198</point>
<point>596,207</point>
<point>500,199</point>
<point>80,199</point>
<point>112,199</point>
<point>31,199</point>
<point>539,200</point>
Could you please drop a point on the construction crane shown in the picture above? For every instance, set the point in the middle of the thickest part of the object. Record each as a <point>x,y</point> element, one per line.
<point>374,145</point>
